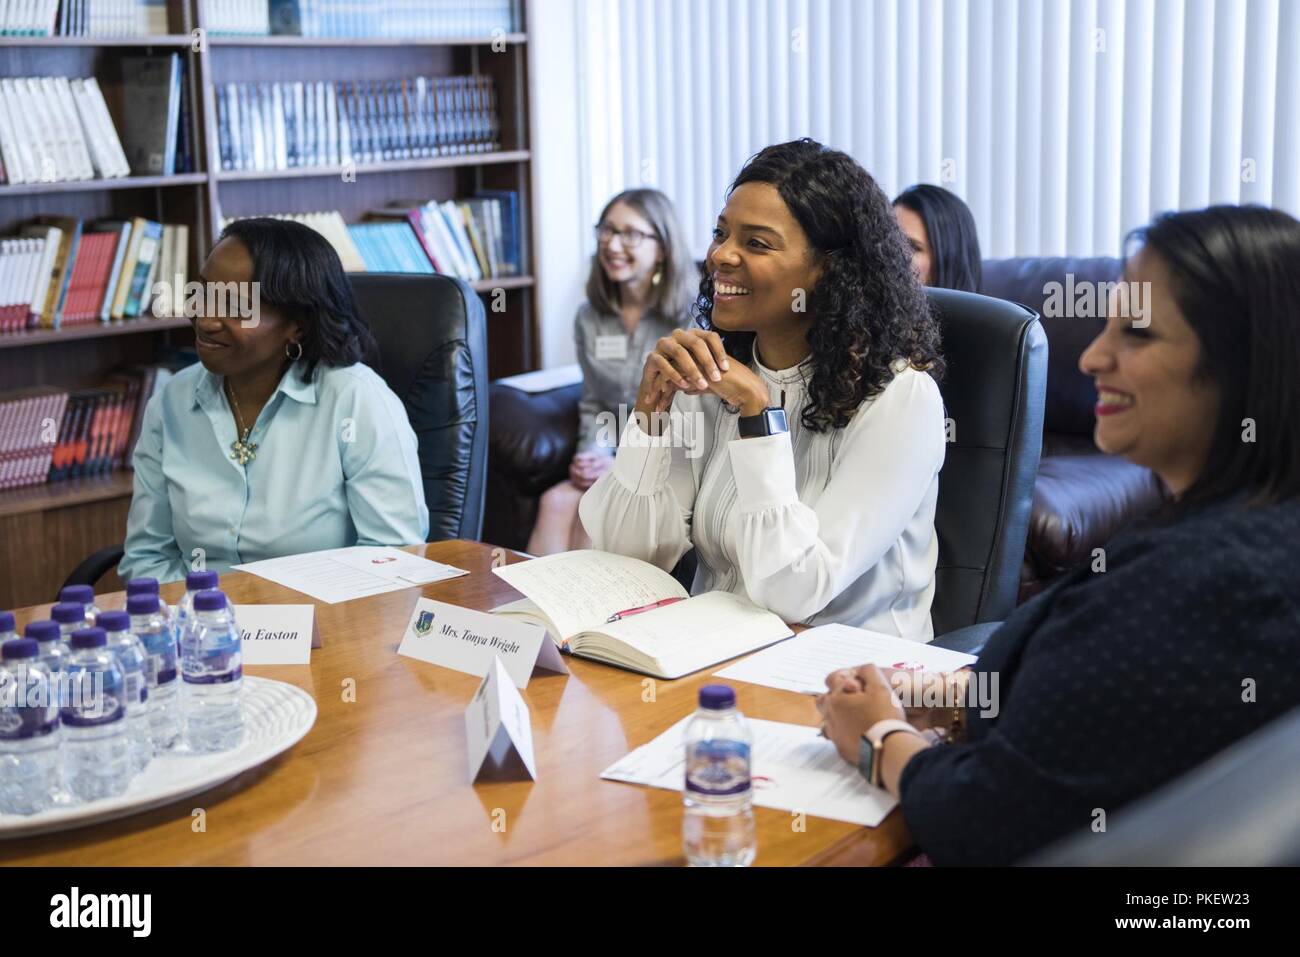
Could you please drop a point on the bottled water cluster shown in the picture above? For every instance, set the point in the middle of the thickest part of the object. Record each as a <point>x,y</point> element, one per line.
<point>89,698</point>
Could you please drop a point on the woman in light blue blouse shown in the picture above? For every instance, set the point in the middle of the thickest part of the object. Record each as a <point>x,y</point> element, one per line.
<point>280,441</point>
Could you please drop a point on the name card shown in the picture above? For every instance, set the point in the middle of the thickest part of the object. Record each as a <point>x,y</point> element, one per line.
<point>497,722</point>
<point>466,640</point>
<point>278,634</point>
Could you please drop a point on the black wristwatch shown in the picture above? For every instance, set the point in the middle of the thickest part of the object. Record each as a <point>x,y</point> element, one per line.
<point>767,422</point>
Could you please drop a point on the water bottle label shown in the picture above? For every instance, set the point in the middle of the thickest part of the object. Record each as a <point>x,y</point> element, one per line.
<point>21,724</point>
<point>218,678</point>
<point>93,698</point>
<point>717,768</point>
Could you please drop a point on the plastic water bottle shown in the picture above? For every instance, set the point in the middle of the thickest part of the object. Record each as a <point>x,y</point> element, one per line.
<point>718,828</point>
<point>153,628</point>
<point>212,669</point>
<point>83,595</point>
<point>29,730</point>
<point>71,616</point>
<point>133,659</point>
<point>96,753</point>
<point>147,586</point>
<point>195,582</point>
<point>8,629</point>
<point>54,654</point>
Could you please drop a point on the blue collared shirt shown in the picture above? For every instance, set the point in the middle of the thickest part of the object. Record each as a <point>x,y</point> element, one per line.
<point>336,465</point>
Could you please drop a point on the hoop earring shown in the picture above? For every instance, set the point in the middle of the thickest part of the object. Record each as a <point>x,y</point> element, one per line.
<point>290,355</point>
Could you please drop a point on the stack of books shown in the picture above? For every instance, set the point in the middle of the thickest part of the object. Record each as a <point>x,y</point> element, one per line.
<point>473,239</point>
<point>274,126</point>
<point>56,129</point>
<point>432,19</point>
<point>108,18</point>
<point>62,272</point>
<point>48,434</point>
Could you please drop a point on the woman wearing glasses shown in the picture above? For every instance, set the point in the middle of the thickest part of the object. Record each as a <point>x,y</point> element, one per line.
<point>640,288</point>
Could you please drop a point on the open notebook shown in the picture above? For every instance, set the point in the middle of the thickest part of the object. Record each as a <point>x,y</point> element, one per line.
<point>573,595</point>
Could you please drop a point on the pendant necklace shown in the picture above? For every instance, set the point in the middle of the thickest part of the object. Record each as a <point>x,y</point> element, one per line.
<point>240,450</point>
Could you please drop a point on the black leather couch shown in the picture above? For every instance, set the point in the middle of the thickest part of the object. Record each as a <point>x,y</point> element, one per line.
<point>1081,497</point>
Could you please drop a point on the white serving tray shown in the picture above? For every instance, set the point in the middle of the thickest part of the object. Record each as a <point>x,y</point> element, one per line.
<point>276,717</point>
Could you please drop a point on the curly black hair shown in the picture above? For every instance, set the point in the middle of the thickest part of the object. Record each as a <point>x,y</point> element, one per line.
<point>301,275</point>
<point>868,309</point>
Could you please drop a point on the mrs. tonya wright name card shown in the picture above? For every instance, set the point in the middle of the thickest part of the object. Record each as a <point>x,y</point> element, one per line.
<point>467,640</point>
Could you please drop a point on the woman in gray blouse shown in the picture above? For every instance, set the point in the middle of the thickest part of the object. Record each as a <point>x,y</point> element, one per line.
<point>640,288</point>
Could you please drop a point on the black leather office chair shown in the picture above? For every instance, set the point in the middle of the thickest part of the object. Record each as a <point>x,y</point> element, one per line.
<point>432,336</point>
<point>1237,809</point>
<point>993,393</point>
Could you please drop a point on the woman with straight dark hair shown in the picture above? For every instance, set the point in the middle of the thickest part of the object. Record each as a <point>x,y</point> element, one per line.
<point>941,231</point>
<point>1183,635</point>
<point>280,440</point>
<point>805,430</point>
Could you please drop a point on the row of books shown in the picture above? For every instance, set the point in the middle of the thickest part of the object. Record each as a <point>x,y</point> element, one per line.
<point>57,129</point>
<point>83,18</point>
<point>432,19</point>
<point>271,126</point>
<point>49,434</point>
<point>61,271</point>
<point>473,239</point>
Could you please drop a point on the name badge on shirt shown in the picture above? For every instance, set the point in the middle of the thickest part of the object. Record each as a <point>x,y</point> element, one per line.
<point>611,347</point>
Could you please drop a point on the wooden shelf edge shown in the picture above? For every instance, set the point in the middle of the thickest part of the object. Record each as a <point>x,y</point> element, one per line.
<point>295,41</point>
<point>499,157</point>
<point>504,282</point>
<point>64,494</point>
<point>123,327</point>
<point>154,40</point>
<point>95,185</point>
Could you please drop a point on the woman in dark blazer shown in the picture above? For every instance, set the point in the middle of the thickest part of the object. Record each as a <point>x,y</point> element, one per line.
<point>1184,636</point>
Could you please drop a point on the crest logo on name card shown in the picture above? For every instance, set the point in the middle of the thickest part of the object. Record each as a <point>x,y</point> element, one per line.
<point>424,623</point>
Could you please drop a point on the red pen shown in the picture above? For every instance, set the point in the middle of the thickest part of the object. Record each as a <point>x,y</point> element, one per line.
<point>636,611</point>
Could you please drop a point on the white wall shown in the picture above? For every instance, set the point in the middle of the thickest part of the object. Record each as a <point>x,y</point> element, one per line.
<point>559,227</point>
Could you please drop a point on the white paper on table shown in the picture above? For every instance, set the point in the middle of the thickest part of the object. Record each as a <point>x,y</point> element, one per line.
<point>497,721</point>
<point>277,634</point>
<point>331,576</point>
<point>793,769</point>
<point>393,564</point>
<point>543,380</point>
<point>802,663</point>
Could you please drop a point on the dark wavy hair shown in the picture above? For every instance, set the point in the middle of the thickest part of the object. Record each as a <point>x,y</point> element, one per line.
<point>867,308</point>
<point>300,275</point>
<point>950,229</point>
<point>1235,272</point>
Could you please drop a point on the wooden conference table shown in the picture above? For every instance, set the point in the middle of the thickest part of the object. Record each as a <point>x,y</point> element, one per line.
<point>384,780</point>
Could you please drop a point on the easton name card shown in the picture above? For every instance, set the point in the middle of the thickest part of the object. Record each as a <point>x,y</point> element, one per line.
<point>467,640</point>
<point>278,634</point>
<point>497,722</point>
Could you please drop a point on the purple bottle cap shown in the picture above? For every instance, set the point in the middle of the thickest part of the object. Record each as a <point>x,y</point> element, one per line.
<point>82,593</point>
<point>16,648</point>
<point>44,630</point>
<point>88,638</point>
<point>7,622</point>
<point>198,581</point>
<point>114,621</point>
<point>209,600</point>
<point>142,604</point>
<point>142,586</point>
<point>68,612</point>
<point>717,697</point>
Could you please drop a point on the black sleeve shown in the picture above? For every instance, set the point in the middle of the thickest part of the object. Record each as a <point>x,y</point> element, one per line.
<point>1133,676</point>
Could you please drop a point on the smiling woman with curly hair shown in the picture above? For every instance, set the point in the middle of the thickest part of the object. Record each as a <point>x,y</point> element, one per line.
<point>794,438</point>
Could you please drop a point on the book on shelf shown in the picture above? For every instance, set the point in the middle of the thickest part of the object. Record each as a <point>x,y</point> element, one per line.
<point>85,18</point>
<point>413,19</point>
<point>578,597</point>
<point>57,129</point>
<point>62,272</point>
<point>464,238</point>
<point>152,85</point>
<point>295,125</point>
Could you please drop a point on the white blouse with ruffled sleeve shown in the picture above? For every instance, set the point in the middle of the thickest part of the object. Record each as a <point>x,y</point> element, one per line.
<point>836,526</point>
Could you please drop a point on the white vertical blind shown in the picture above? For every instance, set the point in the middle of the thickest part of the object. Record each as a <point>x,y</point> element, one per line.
<point>1063,123</point>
